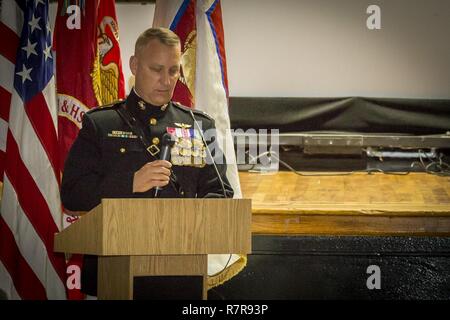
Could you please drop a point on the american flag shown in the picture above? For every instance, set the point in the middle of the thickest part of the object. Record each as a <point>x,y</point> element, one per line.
<point>30,205</point>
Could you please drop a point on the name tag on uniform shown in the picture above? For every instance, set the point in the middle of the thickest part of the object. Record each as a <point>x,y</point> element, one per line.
<point>122,134</point>
<point>188,149</point>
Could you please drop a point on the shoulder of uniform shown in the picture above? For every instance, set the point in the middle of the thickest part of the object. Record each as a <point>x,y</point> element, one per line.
<point>110,106</point>
<point>196,112</point>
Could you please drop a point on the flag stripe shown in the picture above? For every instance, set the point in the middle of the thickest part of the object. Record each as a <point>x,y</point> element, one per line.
<point>3,133</point>
<point>2,163</point>
<point>7,283</point>
<point>214,15</point>
<point>40,118</point>
<point>5,98</point>
<point>12,16</point>
<point>25,281</point>
<point>49,94</point>
<point>179,14</point>
<point>6,75</point>
<point>32,202</point>
<point>34,158</point>
<point>11,38</point>
<point>29,243</point>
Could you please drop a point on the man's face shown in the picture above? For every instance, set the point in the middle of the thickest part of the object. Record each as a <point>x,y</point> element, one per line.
<point>156,68</point>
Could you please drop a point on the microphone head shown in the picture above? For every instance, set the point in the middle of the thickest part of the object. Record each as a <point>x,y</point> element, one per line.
<point>166,143</point>
<point>167,140</point>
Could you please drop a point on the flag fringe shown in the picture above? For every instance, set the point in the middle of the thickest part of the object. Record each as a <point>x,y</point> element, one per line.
<point>228,273</point>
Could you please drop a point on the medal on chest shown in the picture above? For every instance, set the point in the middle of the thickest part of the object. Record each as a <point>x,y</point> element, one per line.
<point>188,149</point>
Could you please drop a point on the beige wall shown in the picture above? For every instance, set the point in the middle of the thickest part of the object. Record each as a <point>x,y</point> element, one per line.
<point>323,48</point>
<point>133,19</point>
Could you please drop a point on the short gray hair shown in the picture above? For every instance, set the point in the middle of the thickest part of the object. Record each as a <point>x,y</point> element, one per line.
<point>164,35</point>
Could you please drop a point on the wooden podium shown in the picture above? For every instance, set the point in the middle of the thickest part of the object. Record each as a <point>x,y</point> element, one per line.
<point>156,237</point>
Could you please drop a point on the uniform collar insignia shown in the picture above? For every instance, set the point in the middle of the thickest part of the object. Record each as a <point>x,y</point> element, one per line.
<point>141,105</point>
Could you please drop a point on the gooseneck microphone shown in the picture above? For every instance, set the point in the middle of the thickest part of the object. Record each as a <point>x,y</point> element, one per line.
<point>210,155</point>
<point>166,143</point>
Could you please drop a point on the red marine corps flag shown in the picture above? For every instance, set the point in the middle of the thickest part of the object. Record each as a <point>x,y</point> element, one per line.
<point>198,23</point>
<point>89,74</point>
<point>88,68</point>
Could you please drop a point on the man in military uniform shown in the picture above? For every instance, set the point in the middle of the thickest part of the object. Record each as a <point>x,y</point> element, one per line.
<point>117,151</point>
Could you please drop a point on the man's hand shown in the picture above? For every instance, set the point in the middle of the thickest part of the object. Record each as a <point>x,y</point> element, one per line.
<point>152,174</point>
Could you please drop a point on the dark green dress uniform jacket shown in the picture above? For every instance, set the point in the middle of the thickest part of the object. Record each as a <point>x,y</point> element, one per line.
<point>107,153</point>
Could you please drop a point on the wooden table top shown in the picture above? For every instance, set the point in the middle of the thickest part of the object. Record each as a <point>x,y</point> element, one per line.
<point>356,194</point>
